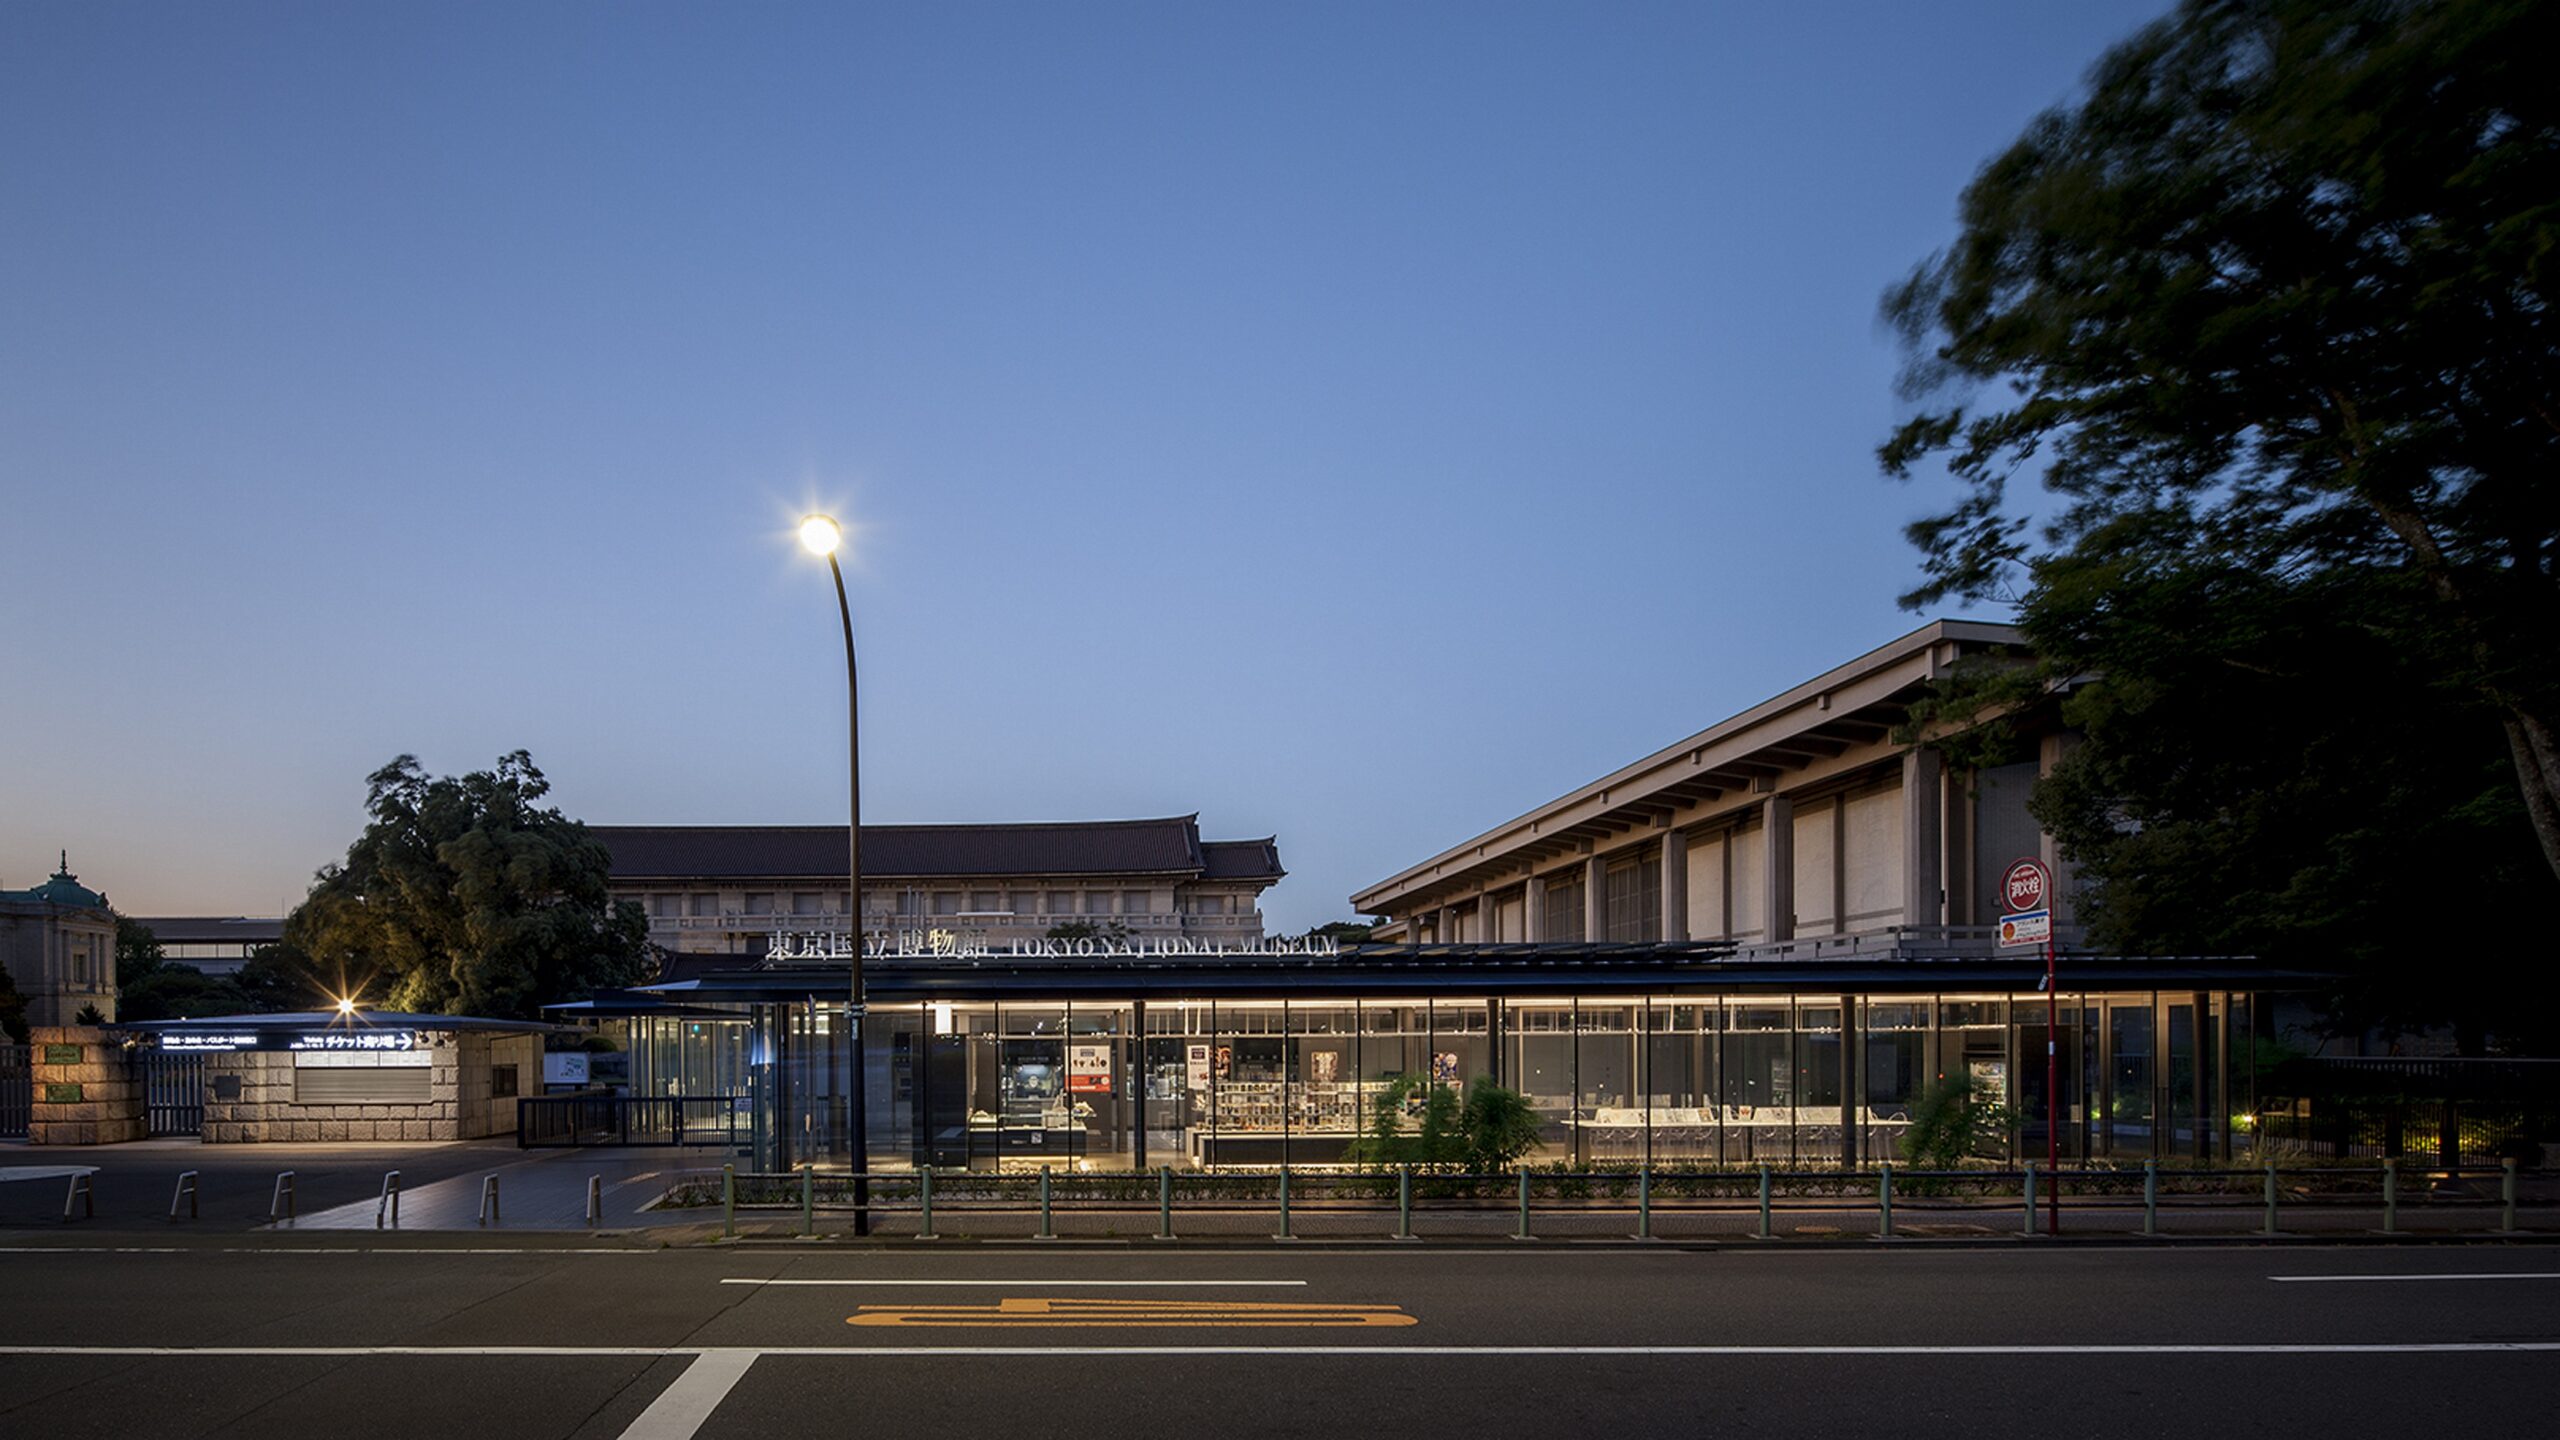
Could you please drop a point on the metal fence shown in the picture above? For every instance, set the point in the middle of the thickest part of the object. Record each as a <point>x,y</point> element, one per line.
<point>2460,1111</point>
<point>172,1092</point>
<point>17,1090</point>
<point>1885,1203</point>
<point>558,1121</point>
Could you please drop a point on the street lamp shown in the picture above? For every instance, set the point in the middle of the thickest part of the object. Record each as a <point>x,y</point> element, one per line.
<point>821,535</point>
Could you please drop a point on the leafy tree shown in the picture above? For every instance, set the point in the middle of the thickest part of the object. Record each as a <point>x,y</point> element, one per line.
<point>13,1008</point>
<point>2272,308</point>
<point>1949,1126</point>
<point>1484,1133</point>
<point>465,896</point>
<point>152,987</point>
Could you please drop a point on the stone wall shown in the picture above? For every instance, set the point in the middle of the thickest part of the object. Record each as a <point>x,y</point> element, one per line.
<point>95,1099</point>
<point>266,1110</point>
<point>482,1111</point>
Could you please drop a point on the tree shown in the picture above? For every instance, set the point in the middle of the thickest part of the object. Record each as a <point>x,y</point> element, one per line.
<point>464,896</point>
<point>13,1008</point>
<point>2272,305</point>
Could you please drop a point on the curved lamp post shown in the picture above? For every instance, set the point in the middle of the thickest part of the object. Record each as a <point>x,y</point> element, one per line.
<point>821,535</point>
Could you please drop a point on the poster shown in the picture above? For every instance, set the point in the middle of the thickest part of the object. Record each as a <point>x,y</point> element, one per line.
<point>1196,1066</point>
<point>1444,1067</point>
<point>1324,1066</point>
<point>1089,1069</point>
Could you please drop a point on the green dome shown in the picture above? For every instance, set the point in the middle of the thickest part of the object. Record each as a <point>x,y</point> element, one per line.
<point>65,889</point>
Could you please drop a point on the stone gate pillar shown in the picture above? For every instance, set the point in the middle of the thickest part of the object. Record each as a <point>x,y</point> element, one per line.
<point>86,1089</point>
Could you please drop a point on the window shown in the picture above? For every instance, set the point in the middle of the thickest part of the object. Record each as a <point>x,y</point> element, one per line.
<point>502,1082</point>
<point>1208,904</point>
<point>910,903</point>
<point>1098,903</point>
<point>1634,898</point>
<point>663,907</point>
<point>1564,906</point>
<point>1020,902</point>
<point>395,1077</point>
<point>1062,902</point>
<point>804,902</point>
<point>946,902</point>
<point>1134,902</point>
<point>760,903</point>
<point>705,903</point>
<point>982,901</point>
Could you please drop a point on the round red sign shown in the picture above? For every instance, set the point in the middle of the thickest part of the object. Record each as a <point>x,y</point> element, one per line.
<point>2024,887</point>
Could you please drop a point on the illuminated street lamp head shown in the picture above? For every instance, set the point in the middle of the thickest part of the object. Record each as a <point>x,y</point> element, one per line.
<point>346,1005</point>
<point>821,535</point>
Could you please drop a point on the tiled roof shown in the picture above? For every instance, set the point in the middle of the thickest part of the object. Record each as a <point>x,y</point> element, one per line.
<point>1169,846</point>
<point>211,929</point>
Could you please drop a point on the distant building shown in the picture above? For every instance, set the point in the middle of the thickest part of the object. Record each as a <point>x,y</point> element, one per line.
<point>58,943</point>
<point>212,944</point>
<point>729,889</point>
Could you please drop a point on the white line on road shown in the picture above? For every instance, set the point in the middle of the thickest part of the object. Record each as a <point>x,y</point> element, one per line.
<point>910,1352</point>
<point>1020,1284</point>
<point>681,1408</point>
<point>2475,1275</point>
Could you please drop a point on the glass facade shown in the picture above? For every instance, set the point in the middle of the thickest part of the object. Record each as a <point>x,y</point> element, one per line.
<point>1614,1081</point>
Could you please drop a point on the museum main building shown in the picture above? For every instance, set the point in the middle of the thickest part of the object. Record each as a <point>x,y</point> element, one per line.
<point>1764,943</point>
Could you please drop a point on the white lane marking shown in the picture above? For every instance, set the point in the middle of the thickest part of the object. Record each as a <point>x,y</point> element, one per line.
<point>909,1352</point>
<point>2476,1275</point>
<point>681,1408</point>
<point>1024,1284</point>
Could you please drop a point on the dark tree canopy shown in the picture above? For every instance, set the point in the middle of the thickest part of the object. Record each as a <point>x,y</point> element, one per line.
<point>465,896</point>
<point>2269,310</point>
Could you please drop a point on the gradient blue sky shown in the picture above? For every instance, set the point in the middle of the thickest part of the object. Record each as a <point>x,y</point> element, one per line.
<point>1355,422</point>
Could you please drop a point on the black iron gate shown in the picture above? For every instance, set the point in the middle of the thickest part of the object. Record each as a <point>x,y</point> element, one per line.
<point>173,1092</point>
<point>17,1090</point>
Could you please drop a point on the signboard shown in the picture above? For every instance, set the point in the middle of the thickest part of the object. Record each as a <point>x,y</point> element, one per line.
<point>565,1067</point>
<point>62,1054</point>
<point>2027,887</point>
<point>59,1093</point>
<point>1089,1069</point>
<point>1195,1064</point>
<point>2031,927</point>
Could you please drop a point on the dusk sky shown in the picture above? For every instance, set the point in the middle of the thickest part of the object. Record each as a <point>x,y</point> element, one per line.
<point>1359,423</point>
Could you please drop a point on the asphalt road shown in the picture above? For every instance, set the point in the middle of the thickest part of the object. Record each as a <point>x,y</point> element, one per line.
<point>106,1335</point>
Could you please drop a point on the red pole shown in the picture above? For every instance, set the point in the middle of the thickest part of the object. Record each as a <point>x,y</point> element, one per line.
<point>2052,1091</point>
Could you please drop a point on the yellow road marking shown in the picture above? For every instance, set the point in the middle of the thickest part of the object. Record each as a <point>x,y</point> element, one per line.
<point>1085,1314</point>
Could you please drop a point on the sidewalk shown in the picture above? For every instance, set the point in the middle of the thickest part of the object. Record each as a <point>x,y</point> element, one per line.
<point>544,1190</point>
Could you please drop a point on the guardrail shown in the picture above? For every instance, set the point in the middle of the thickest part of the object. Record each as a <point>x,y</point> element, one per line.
<point>1887,1203</point>
<point>559,1121</point>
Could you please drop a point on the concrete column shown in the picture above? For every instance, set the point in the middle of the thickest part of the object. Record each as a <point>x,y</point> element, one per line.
<point>2049,753</point>
<point>1484,918</point>
<point>1533,910</point>
<point>1595,900</point>
<point>1955,816</point>
<point>1778,880</point>
<point>1922,776</point>
<point>1675,885</point>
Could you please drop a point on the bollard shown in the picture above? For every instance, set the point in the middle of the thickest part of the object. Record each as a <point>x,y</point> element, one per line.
<point>1884,1202</point>
<point>1045,1232</point>
<point>82,1191</point>
<point>281,1207</point>
<point>489,1201</point>
<point>389,1205</point>
<point>2271,1202</point>
<point>924,1205</point>
<point>1644,1203</point>
<point>1764,1202</point>
<point>2507,1189</point>
<point>2150,1197</point>
<point>185,1192</point>
<point>2390,1197</point>
<point>1284,1202</point>
<point>809,1200</point>
<point>729,1201</point>
<point>2031,1199</point>
<point>1524,1206</point>
<point>1404,1202</point>
<point>595,1202</point>
<point>1164,1202</point>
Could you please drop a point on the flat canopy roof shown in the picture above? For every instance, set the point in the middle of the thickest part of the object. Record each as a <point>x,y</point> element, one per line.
<point>332,1020</point>
<point>1506,970</point>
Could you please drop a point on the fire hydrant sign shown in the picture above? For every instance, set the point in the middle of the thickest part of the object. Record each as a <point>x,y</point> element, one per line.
<point>2026,904</point>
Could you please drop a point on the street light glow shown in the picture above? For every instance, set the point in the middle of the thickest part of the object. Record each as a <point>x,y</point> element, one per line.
<point>821,535</point>
<point>346,1005</point>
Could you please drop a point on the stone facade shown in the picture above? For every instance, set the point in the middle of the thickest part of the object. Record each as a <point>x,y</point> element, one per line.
<point>460,1104</point>
<point>86,1091</point>
<point>58,943</point>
